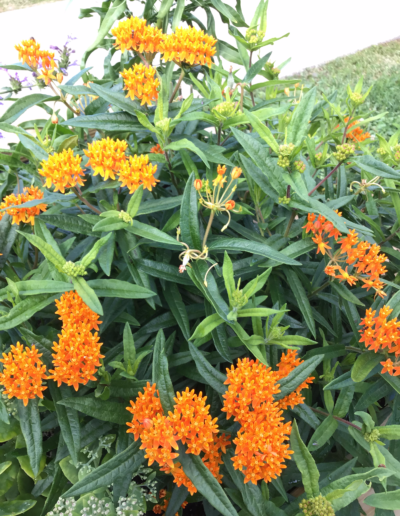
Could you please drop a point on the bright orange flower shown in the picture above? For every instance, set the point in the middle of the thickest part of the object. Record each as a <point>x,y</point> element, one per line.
<point>63,170</point>
<point>47,75</point>
<point>23,373</point>
<point>134,34</point>
<point>106,156</point>
<point>156,149</point>
<point>77,354</point>
<point>322,246</point>
<point>356,134</point>
<point>23,214</point>
<point>198,184</point>
<point>230,205</point>
<point>261,447</point>
<point>344,275</point>
<point>136,171</point>
<point>189,46</point>
<point>190,423</point>
<point>219,181</point>
<point>330,270</point>
<point>221,169</point>
<point>73,311</point>
<point>29,52</point>
<point>379,334</point>
<point>140,83</point>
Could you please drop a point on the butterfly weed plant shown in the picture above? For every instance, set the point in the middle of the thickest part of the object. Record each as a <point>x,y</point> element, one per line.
<point>199,295</point>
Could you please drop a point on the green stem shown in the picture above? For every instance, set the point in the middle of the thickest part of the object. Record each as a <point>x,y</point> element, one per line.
<point>78,193</point>
<point>210,220</point>
<point>291,220</point>
<point>337,418</point>
<point>322,287</point>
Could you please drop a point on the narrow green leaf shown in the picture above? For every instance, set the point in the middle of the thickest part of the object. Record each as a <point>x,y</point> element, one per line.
<point>364,364</point>
<point>305,463</point>
<point>302,300</point>
<point>46,249</point>
<point>190,228</point>
<point>151,233</point>
<point>134,202</point>
<point>87,294</point>
<point>110,411</point>
<point>298,125</point>
<point>211,376</point>
<point>25,310</point>
<point>206,326</point>
<point>94,251</point>
<point>388,501</point>
<point>178,308</point>
<point>119,288</point>
<point>188,145</point>
<point>298,376</point>
<point>323,433</point>
<point>161,374</point>
<point>263,131</point>
<point>345,293</point>
<point>31,430</point>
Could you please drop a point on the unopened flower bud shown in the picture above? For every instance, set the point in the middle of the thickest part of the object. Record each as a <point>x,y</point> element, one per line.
<point>60,77</point>
<point>198,184</point>
<point>54,119</point>
<point>236,173</point>
<point>230,205</point>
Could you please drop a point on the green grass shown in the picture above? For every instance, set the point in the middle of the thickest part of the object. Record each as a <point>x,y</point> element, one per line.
<point>380,66</point>
<point>12,5</point>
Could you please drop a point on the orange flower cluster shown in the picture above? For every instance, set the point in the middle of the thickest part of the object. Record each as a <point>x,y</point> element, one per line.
<point>156,149</point>
<point>365,258</point>
<point>261,447</point>
<point>29,52</point>
<point>77,354</point>
<point>63,170</point>
<point>136,171</point>
<point>23,373</point>
<point>356,134</point>
<point>23,214</point>
<point>190,423</point>
<point>190,46</point>
<point>379,333</point>
<point>135,34</point>
<point>140,82</point>
<point>106,156</point>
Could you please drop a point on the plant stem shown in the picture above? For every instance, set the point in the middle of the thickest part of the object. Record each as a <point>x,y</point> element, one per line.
<point>320,289</point>
<point>144,60</point>
<point>353,349</point>
<point>63,99</point>
<point>390,236</point>
<point>182,75</point>
<point>219,134</point>
<point>78,193</point>
<point>227,138</point>
<point>291,220</point>
<point>325,178</point>
<point>346,127</point>
<point>210,220</point>
<point>35,264</point>
<point>251,93</point>
<point>337,418</point>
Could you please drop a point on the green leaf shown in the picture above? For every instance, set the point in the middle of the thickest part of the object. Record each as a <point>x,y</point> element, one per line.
<point>189,219</point>
<point>134,202</point>
<point>161,374</point>
<point>230,13</point>
<point>21,105</point>
<point>323,433</point>
<point>364,364</point>
<point>110,411</point>
<point>299,123</point>
<point>229,280</point>
<point>46,249</point>
<point>255,69</point>
<point>211,376</point>
<point>257,312</point>
<point>178,308</point>
<point>29,419</point>
<point>188,145</point>
<point>180,6</point>
<point>119,288</point>
<point>305,463</point>
<point>116,98</point>
<point>240,245</point>
<point>205,482</point>
<point>25,310</point>
<point>68,420</point>
<point>345,293</point>
<point>56,490</point>
<point>68,223</point>
<point>87,294</point>
<point>16,507</point>
<point>376,167</point>
<point>108,21</point>
<point>34,287</point>
<point>263,131</point>
<point>343,401</point>
<point>157,205</point>
<point>298,376</point>
<point>219,336</point>
<point>129,346</point>
<point>151,233</point>
<point>302,300</point>
<point>106,122</point>
<point>388,501</point>
<point>164,8</point>
<point>390,432</point>
<point>179,495</point>
<point>32,145</point>
<point>206,326</point>
<point>105,474</point>
<point>94,251</point>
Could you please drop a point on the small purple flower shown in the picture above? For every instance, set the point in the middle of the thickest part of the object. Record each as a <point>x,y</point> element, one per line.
<point>1,98</point>
<point>1,136</point>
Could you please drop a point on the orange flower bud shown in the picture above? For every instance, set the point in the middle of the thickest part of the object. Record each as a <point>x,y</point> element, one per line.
<point>198,184</point>
<point>60,77</point>
<point>236,173</point>
<point>54,119</point>
<point>229,205</point>
<point>221,170</point>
